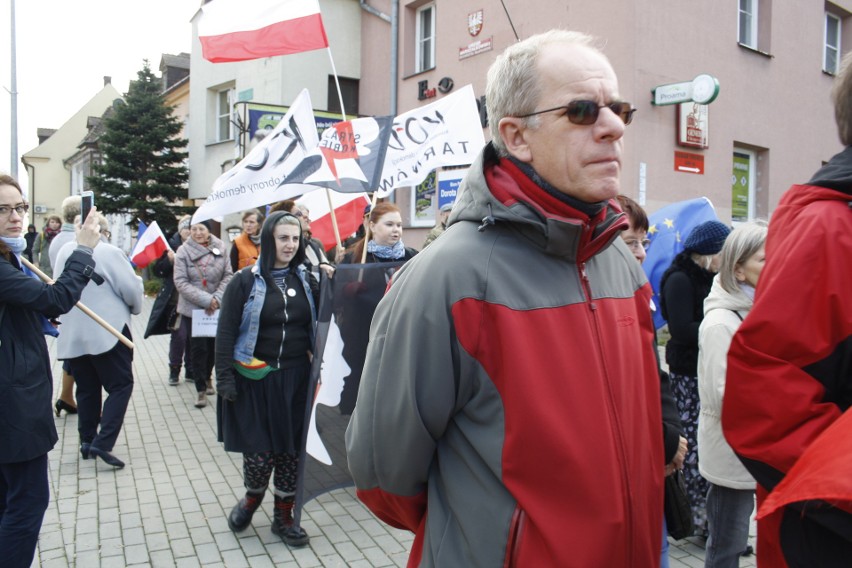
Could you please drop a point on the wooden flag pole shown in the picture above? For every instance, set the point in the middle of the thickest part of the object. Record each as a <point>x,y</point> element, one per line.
<point>342,112</point>
<point>333,219</point>
<point>367,227</point>
<point>86,310</point>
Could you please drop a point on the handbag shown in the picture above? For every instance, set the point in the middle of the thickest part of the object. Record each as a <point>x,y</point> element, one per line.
<point>676,505</point>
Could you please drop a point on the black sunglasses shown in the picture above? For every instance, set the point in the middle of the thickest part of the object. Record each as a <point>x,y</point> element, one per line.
<point>586,112</point>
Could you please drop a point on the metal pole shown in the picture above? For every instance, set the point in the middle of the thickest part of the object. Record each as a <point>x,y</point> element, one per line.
<point>13,165</point>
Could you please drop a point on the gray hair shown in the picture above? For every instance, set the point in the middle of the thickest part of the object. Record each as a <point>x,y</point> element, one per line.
<point>103,222</point>
<point>743,242</point>
<point>513,87</point>
<point>71,207</point>
<point>841,96</point>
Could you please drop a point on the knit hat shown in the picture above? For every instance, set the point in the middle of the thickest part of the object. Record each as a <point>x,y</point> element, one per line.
<point>707,238</point>
<point>184,223</point>
<point>206,223</point>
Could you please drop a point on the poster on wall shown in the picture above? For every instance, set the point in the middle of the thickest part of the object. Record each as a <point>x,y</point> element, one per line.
<point>693,125</point>
<point>448,186</point>
<point>740,183</point>
<point>422,202</point>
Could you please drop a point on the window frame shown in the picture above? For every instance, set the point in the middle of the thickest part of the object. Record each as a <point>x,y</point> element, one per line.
<point>751,208</point>
<point>826,46</point>
<point>420,64</point>
<point>224,116</point>
<point>752,23</point>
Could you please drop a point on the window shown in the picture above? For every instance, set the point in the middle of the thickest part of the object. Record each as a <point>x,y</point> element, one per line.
<point>425,34</point>
<point>349,91</point>
<point>224,124</point>
<point>748,23</point>
<point>831,51</point>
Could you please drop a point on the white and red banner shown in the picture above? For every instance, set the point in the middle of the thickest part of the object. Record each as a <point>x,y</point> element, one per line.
<point>365,154</point>
<point>236,30</point>
<point>259,178</point>
<point>348,209</point>
<point>150,246</point>
<point>447,132</point>
<point>349,158</point>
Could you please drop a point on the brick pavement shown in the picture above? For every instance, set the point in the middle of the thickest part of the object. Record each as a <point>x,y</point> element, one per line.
<point>168,506</point>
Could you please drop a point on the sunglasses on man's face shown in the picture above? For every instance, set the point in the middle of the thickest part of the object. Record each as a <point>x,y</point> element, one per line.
<point>587,112</point>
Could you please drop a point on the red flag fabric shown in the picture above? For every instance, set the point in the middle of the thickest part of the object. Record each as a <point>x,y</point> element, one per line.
<point>150,246</point>
<point>823,472</point>
<point>234,30</point>
<point>348,208</point>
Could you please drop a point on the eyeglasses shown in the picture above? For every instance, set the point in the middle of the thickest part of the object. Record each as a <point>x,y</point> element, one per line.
<point>636,244</point>
<point>6,211</point>
<point>586,112</point>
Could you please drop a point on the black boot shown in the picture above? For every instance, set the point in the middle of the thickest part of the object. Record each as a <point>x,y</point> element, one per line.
<point>242,512</point>
<point>174,375</point>
<point>284,526</point>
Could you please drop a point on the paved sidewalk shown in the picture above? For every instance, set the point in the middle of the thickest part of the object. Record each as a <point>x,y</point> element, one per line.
<point>168,506</point>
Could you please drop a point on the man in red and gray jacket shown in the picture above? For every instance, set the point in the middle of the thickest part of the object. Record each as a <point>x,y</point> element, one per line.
<point>509,408</point>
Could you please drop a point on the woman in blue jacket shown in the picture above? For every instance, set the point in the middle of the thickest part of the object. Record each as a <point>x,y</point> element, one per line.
<point>27,431</point>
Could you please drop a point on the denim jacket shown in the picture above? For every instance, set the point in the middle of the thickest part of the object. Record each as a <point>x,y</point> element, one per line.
<point>250,322</point>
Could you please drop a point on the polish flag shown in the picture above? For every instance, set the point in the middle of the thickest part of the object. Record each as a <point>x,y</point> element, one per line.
<point>151,243</point>
<point>237,30</point>
<point>348,209</point>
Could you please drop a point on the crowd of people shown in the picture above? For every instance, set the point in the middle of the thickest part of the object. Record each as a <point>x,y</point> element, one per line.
<point>513,407</point>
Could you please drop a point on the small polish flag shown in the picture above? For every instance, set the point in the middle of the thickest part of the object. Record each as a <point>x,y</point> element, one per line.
<point>236,30</point>
<point>348,209</point>
<point>151,243</point>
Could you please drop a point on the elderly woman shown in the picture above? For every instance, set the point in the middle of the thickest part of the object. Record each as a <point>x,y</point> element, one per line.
<point>246,248</point>
<point>263,360</point>
<point>201,273</point>
<point>730,499</point>
<point>98,361</point>
<point>27,430</point>
<point>683,288</point>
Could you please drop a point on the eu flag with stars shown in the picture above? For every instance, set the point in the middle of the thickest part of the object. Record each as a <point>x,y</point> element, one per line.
<point>667,230</point>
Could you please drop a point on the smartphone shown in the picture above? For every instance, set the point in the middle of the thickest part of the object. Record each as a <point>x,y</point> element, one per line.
<point>86,205</point>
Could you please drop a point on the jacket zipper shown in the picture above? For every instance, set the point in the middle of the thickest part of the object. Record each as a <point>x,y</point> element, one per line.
<point>513,547</point>
<point>611,405</point>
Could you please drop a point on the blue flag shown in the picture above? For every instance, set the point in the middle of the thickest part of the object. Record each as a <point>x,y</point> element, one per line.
<point>668,228</point>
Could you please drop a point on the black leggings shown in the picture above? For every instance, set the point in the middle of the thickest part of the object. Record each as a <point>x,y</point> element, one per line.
<point>257,468</point>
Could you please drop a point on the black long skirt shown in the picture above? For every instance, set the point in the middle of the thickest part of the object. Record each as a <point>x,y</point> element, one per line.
<point>268,414</point>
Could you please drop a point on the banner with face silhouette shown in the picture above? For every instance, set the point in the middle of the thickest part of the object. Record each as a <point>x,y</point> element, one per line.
<point>346,307</point>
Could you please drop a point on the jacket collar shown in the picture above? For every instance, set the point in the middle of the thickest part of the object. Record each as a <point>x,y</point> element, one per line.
<point>497,192</point>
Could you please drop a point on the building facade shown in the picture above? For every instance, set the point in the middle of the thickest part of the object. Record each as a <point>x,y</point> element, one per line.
<point>221,91</point>
<point>771,125</point>
<point>48,167</point>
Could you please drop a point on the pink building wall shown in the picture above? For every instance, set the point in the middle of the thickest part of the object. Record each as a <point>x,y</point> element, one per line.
<point>776,103</point>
